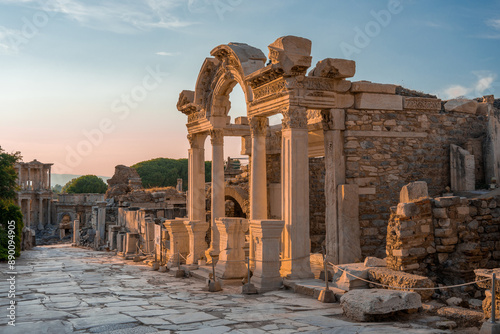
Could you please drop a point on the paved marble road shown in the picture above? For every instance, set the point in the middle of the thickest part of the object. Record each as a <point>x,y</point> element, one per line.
<point>60,289</point>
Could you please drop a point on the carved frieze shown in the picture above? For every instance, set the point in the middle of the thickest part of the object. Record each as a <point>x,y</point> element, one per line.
<point>193,117</point>
<point>272,88</point>
<point>420,103</point>
<point>294,118</point>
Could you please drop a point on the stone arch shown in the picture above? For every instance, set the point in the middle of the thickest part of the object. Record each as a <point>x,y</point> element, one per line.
<point>239,196</point>
<point>218,76</point>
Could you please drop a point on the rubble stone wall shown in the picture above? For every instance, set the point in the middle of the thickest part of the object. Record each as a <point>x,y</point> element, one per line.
<point>447,236</point>
<point>382,164</point>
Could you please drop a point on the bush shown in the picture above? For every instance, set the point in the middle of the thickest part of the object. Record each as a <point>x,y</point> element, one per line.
<point>163,172</point>
<point>10,212</point>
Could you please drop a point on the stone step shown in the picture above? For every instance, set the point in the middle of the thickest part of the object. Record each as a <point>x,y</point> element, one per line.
<point>310,287</point>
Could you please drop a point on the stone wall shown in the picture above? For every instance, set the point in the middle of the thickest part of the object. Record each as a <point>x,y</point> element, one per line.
<point>382,164</point>
<point>463,236</point>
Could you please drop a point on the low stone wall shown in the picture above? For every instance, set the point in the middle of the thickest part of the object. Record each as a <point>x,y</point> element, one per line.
<point>449,236</point>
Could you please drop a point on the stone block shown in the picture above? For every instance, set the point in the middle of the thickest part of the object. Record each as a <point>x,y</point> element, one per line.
<point>374,262</point>
<point>463,317</point>
<point>425,228</point>
<point>461,105</point>
<point>442,257</point>
<point>291,53</point>
<point>346,282</point>
<point>401,279</point>
<point>418,251</point>
<point>449,241</point>
<point>463,210</point>
<point>443,232</point>
<point>439,213</point>
<point>447,201</point>
<point>486,305</point>
<point>241,120</point>
<point>370,87</point>
<point>413,192</point>
<point>400,252</point>
<point>334,68</point>
<point>370,305</point>
<point>445,249</point>
<point>378,101</point>
<point>407,210</point>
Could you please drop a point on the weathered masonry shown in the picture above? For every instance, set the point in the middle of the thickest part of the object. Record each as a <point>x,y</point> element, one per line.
<point>369,139</point>
<point>34,195</point>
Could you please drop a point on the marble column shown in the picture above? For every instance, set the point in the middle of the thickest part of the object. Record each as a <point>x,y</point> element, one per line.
<point>28,215</point>
<point>258,175</point>
<point>333,126</point>
<point>231,262</point>
<point>196,177</point>
<point>197,231</point>
<point>29,179</point>
<point>49,214</point>
<point>50,176</point>
<point>295,194</point>
<point>267,234</point>
<point>218,202</point>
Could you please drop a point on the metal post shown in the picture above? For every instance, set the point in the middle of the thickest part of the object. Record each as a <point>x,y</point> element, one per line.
<point>326,271</point>
<point>178,256</point>
<point>493,297</point>
<point>213,269</point>
<point>248,269</point>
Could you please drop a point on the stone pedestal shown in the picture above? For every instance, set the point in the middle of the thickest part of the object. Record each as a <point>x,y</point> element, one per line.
<point>462,169</point>
<point>131,243</point>
<point>218,201</point>
<point>179,241</point>
<point>76,232</point>
<point>231,262</point>
<point>101,219</point>
<point>120,242</point>
<point>266,235</point>
<point>197,231</point>
<point>112,236</point>
<point>295,195</point>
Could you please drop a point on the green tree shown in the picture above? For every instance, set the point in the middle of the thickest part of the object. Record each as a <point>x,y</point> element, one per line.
<point>163,172</point>
<point>85,184</point>
<point>57,189</point>
<point>8,210</point>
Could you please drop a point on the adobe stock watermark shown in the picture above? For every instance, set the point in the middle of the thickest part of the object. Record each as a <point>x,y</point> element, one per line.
<point>31,26</point>
<point>372,29</point>
<point>121,107</point>
<point>221,7</point>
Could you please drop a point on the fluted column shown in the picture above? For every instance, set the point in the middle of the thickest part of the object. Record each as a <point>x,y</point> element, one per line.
<point>258,175</point>
<point>295,194</point>
<point>218,209</point>
<point>196,178</point>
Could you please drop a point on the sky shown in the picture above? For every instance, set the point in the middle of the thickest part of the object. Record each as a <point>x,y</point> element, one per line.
<point>88,85</point>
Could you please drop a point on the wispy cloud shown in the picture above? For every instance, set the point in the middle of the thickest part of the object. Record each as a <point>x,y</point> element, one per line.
<point>168,54</point>
<point>113,15</point>
<point>484,84</point>
<point>494,23</point>
<point>9,40</point>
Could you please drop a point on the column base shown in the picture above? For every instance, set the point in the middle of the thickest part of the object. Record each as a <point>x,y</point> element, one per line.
<point>230,270</point>
<point>264,284</point>
<point>299,269</point>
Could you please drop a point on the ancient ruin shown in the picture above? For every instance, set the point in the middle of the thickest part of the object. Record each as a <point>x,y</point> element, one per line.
<point>396,186</point>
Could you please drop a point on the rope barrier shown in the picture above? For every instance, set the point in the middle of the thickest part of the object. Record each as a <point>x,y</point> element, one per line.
<point>352,275</point>
<point>406,288</point>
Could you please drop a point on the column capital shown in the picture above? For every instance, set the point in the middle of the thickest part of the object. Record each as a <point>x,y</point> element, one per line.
<point>217,136</point>
<point>333,119</point>
<point>196,140</point>
<point>258,125</point>
<point>294,117</point>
